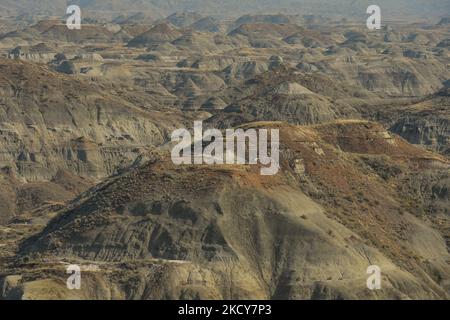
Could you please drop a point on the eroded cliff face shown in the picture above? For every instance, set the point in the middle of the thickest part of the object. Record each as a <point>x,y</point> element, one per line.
<point>50,121</point>
<point>425,122</point>
<point>432,132</point>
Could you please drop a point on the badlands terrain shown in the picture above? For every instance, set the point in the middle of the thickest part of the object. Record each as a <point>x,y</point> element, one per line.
<point>86,177</point>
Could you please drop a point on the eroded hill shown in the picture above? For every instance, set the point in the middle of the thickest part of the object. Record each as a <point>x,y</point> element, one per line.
<point>224,232</point>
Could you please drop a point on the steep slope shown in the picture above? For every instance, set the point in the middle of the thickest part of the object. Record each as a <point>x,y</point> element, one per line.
<point>50,121</point>
<point>425,122</point>
<point>20,199</point>
<point>182,19</point>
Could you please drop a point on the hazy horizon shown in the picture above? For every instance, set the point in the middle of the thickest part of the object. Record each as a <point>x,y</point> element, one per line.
<point>397,9</point>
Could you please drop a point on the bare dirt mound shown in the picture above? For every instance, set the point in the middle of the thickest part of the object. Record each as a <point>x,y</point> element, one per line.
<point>161,33</point>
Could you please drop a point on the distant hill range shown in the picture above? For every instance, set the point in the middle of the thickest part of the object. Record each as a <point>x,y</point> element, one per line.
<point>355,9</point>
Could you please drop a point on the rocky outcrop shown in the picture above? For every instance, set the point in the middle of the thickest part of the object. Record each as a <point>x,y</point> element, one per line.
<point>430,131</point>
